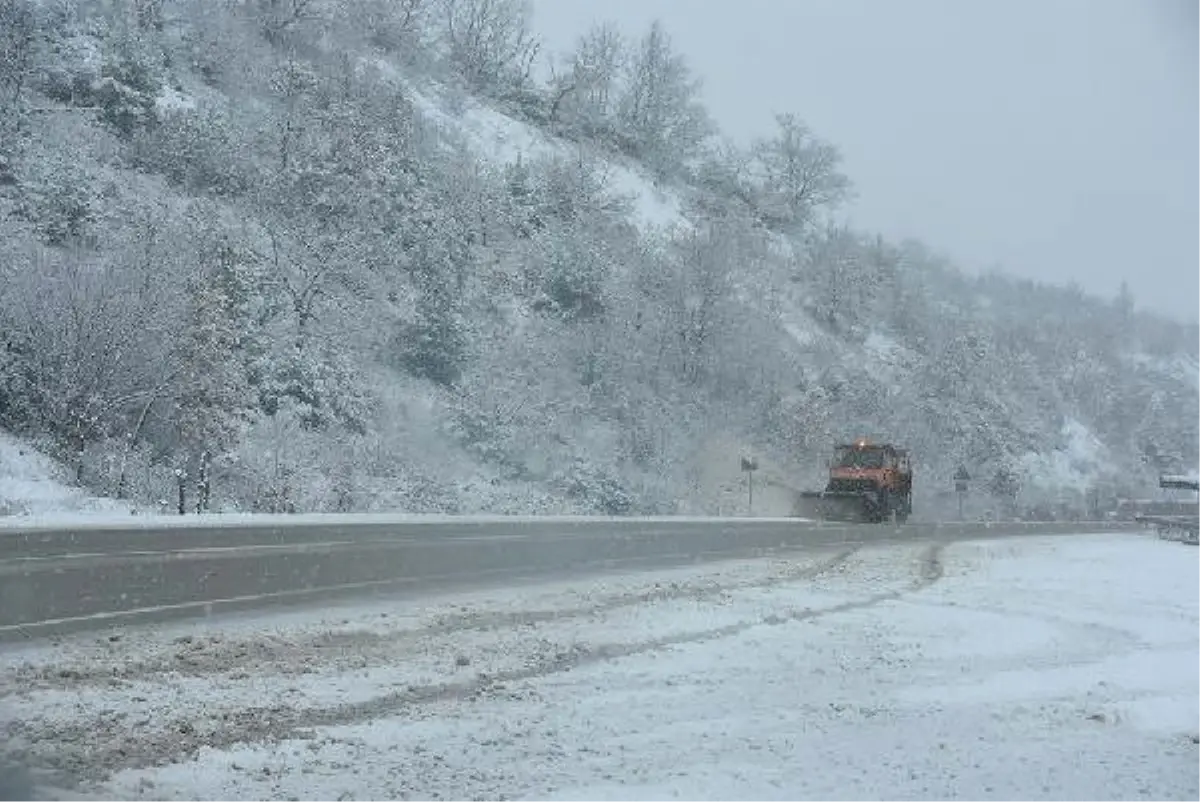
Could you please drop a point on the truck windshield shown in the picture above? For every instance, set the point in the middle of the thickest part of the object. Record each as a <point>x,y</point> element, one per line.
<point>860,458</point>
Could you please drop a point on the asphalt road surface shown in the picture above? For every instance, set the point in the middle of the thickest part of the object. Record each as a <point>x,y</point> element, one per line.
<point>71,579</point>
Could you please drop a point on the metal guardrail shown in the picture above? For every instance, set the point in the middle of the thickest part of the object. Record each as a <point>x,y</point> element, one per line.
<point>79,578</point>
<point>1178,483</point>
<point>1185,529</point>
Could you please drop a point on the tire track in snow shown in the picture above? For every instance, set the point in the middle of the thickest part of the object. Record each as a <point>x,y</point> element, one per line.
<point>92,749</point>
<point>199,657</point>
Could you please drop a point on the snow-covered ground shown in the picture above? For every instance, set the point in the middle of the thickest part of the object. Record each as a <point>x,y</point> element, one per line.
<point>1025,668</point>
<point>502,140</point>
<point>31,484</point>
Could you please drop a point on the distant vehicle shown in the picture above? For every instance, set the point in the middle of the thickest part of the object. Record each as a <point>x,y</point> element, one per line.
<point>868,482</point>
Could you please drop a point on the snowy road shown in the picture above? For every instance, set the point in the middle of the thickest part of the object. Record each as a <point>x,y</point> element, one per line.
<point>57,577</point>
<point>1061,667</point>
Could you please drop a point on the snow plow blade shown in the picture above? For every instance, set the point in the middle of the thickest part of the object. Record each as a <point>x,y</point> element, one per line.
<point>841,507</point>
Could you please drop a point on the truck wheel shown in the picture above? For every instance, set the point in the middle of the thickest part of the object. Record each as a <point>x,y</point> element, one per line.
<point>884,512</point>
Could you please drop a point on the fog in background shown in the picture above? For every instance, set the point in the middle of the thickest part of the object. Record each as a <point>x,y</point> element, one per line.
<point>1055,140</point>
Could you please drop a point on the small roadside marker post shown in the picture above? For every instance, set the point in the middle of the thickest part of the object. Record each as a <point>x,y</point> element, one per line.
<point>750,465</point>
<point>961,477</point>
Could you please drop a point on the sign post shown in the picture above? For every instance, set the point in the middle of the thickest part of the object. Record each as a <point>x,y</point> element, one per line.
<point>750,465</point>
<point>961,477</point>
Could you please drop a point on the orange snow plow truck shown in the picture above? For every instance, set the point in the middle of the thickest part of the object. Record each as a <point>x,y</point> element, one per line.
<point>868,483</point>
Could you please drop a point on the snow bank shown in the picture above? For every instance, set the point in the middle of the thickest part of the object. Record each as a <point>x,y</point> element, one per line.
<point>34,485</point>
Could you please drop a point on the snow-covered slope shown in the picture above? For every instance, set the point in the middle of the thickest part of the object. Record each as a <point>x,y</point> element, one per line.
<point>32,483</point>
<point>501,140</point>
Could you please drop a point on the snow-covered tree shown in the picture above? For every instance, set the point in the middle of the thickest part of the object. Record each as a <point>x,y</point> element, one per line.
<point>799,175</point>
<point>210,391</point>
<point>845,276</point>
<point>76,345</point>
<point>662,118</point>
<point>399,27</point>
<point>585,96</point>
<point>277,18</point>
<point>434,345</point>
<point>18,43</point>
<point>490,42</point>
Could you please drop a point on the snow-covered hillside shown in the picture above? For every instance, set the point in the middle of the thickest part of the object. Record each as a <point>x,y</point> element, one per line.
<point>501,140</point>
<point>347,260</point>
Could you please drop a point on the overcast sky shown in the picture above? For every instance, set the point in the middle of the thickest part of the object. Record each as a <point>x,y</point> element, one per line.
<point>1055,139</point>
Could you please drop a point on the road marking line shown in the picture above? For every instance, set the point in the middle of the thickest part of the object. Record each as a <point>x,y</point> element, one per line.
<point>282,594</point>
<point>195,551</point>
<point>250,548</point>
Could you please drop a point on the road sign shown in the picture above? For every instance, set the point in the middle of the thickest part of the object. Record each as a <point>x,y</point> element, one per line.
<point>961,477</point>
